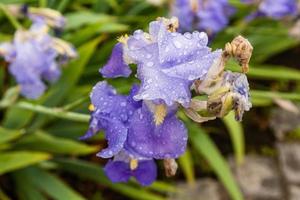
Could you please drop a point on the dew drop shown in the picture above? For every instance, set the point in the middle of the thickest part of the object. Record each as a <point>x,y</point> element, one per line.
<point>150,64</point>
<point>177,44</point>
<point>188,35</point>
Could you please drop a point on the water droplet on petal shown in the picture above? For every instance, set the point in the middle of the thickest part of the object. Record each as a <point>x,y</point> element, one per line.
<point>150,64</point>
<point>177,44</point>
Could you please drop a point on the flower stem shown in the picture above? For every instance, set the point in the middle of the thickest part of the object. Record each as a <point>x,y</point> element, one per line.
<point>10,17</point>
<point>56,112</point>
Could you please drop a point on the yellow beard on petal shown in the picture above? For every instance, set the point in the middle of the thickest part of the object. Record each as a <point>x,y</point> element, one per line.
<point>91,107</point>
<point>160,113</point>
<point>123,39</point>
<point>133,164</point>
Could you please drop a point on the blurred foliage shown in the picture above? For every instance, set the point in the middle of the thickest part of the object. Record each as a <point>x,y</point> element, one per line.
<point>40,154</point>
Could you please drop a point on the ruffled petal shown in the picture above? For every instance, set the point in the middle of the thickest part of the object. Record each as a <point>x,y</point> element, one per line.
<point>116,67</point>
<point>105,98</point>
<point>157,85</point>
<point>167,140</point>
<point>115,134</point>
<point>146,172</point>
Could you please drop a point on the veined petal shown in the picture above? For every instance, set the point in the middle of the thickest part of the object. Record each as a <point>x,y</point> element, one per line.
<point>167,140</point>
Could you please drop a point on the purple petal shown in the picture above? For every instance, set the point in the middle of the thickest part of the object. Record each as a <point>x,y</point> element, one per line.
<point>32,90</point>
<point>279,8</point>
<point>52,73</point>
<point>183,11</point>
<point>117,171</point>
<point>115,134</point>
<point>146,172</point>
<point>158,85</point>
<point>105,98</point>
<point>167,140</point>
<point>7,51</point>
<point>116,67</point>
<point>169,62</point>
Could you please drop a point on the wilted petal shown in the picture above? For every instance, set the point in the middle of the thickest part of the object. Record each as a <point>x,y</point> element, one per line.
<point>116,67</point>
<point>167,140</point>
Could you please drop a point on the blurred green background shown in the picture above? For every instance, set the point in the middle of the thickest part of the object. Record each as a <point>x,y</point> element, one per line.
<point>40,154</point>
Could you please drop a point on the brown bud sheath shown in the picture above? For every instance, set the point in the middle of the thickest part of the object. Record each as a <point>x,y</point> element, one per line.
<point>170,167</point>
<point>241,49</point>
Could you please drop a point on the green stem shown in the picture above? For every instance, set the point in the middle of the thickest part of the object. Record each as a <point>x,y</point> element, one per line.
<point>10,17</point>
<point>56,112</point>
<point>76,103</point>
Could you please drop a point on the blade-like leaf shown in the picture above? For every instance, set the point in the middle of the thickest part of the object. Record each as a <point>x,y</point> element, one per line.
<point>11,161</point>
<point>78,19</point>
<point>186,164</point>
<point>95,173</point>
<point>49,184</point>
<point>42,141</point>
<point>25,189</point>
<point>205,146</point>
<point>236,133</point>
<point>7,135</point>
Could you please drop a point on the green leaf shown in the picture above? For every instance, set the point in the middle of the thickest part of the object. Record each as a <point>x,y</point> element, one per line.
<point>77,19</point>
<point>3,196</point>
<point>42,141</point>
<point>236,133</point>
<point>9,97</point>
<point>95,173</point>
<point>186,164</point>
<point>205,146</point>
<point>25,189</point>
<point>11,161</point>
<point>268,72</point>
<point>271,95</point>
<point>49,184</point>
<point>7,135</point>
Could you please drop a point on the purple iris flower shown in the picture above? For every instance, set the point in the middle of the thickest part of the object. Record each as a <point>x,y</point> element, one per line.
<point>129,127</point>
<point>130,124</point>
<point>33,58</point>
<point>274,9</point>
<point>207,15</point>
<point>168,62</point>
<point>119,170</point>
